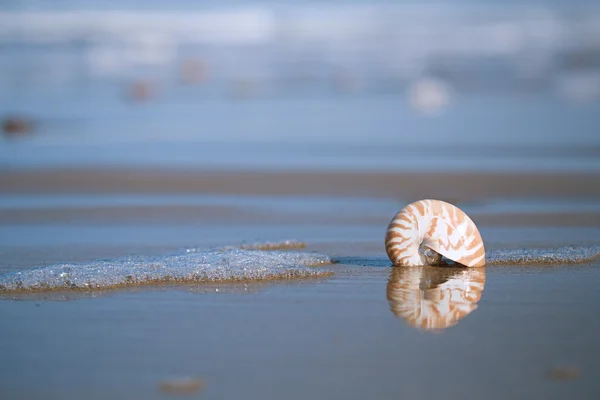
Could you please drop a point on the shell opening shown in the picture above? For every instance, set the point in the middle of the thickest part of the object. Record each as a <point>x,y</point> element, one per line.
<point>431,257</point>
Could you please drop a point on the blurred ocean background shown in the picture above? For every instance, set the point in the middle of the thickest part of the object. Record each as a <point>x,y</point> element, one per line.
<point>352,85</point>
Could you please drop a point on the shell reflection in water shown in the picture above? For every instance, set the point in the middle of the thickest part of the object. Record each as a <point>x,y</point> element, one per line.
<point>434,298</point>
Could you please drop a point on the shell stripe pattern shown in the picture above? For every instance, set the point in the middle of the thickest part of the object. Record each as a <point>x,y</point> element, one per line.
<point>437,225</point>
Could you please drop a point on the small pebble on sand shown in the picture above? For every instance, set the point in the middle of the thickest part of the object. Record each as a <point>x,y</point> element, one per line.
<point>181,386</point>
<point>564,373</point>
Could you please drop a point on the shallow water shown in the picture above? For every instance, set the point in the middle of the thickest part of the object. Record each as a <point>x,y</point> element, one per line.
<point>331,338</point>
<point>363,206</point>
<point>338,336</point>
<point>365,132</point>
<point>281,204</point>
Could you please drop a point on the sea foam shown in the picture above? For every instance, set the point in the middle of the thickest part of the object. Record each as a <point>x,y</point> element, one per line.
<point>561,255</point>
<point>216,265</point>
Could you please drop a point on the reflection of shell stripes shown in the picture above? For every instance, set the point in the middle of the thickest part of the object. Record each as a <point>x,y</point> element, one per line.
<point>453,295</point>
<point>437,225</point>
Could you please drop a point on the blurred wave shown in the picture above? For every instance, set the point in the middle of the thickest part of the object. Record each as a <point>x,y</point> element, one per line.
<point>371,46</point>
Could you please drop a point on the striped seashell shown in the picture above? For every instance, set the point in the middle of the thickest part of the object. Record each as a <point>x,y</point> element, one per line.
<point>433,298</point>
<point>424,231</point>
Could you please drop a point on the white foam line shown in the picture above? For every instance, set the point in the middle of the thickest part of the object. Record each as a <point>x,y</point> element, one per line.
<point>233,265</point>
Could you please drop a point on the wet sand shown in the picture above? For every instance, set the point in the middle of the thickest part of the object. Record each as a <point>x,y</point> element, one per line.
<point>407,186</point>
<point>462,189</point>
<point>343,336</point>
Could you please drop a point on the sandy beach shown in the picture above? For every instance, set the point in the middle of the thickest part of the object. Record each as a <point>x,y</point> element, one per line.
<point>529,332</point>
<point>103,210</point>
<point>194,199</point>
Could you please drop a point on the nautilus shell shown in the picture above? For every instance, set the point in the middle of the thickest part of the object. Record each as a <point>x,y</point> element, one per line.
<point>434,298</point>
<point>424,231</point>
